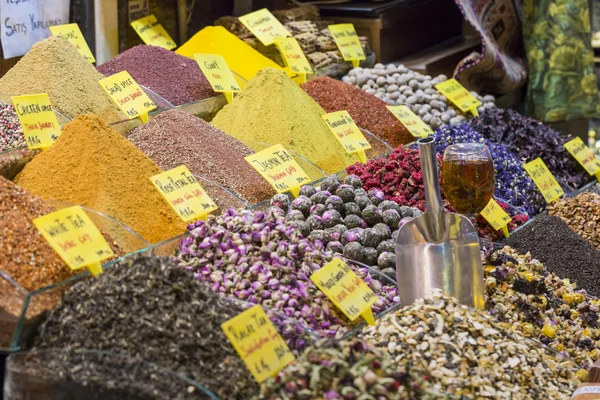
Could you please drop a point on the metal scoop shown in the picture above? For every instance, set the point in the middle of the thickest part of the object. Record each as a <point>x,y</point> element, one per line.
<point>438,250</point>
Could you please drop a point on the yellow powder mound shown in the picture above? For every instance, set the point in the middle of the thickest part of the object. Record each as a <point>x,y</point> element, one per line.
<point>93,165</point>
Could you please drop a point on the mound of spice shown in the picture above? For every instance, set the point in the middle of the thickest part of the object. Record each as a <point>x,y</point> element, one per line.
<point>11,134</point>
<point>93,165</point>
<point>538,304</point>
<point>468,353</point>
<point>273,109</point>
<point>562,251</point>
<point>258,258</point>
<point>347,220</point>
<point>348,369</point>
<point>208,152</point>
<point>157,313</point>
<point>530,139</point>
<point>366,110</point>
<point>581,213</point>
<point>54,66</point>
<point>513,184</point>
<point>176,78</point>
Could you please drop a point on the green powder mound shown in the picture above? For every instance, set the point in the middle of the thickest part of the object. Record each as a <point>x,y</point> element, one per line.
<point>273,109</point>
<point>54,66</point>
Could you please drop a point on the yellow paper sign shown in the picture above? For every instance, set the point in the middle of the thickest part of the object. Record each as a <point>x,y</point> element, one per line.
<point>128,95</point>
<point>411,121</point>
<point>496,216</point>
<point>346,290</point>
<point>37,119</point>
<point>278,167</point>
<point>218,74</point>
<point>293,55</point>
<point>153,33</point>
<point>264,26</point>
<point>457,94</point>
<point>347,42</point>
<point>75,238</point>
<point>258,343</point>
<point>544,180</point>
<point>73,34</point>
<point>183,193</point>
<point>584,155</point>
<point>347,133</point>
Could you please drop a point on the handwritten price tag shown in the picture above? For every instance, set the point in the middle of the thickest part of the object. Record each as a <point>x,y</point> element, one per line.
<point>584,155</point>
<point>496,216</point>
<point>73,34</point>
<point>218,74</point>
<point>75,238</point>
<point>264,26</point>
<point>183,193</point>
<point>457,94</point>
<point>346,290</point>
<point>128,95</point>
<point>544,180</point>
<point>258,343</point>
<point>293,55</point>
<point>347,42</point>
<point>37,119</point>
<point>278,167</point>
<point>153,33</point>
<point>411,121</point>
<point>347,133</point>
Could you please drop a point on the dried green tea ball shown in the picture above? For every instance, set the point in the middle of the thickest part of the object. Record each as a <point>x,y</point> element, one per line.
<point>335,203</point>
<point>354,251</point>
<point>307,190</point>
<point>386,246</point>
<point>352,208</point>
<point>303,204</point>
<point>354,221</point>
<point>386,260</point>
<point>354,181</point>
<point>335,247</point>
<point>346,193</point>
<point>372,215</point>
<point>320,197</point>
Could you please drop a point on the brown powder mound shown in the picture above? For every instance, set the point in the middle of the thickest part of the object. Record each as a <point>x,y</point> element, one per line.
<point>176,137</point>
<point>93,165</point>
<point>366,110</point>
<point>54,66</point>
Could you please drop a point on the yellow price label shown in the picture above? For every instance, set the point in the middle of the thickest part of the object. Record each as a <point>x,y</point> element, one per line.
<point>584,155</point>
<point>457,94</point>
<point>73,34</point>
<point>279,168</point>
<point>347,133</point>
<point>183,193</point>
<point>293,55</point>
<point>75,238</point>
<point>347,42</point>
<point>128,95</point>
<point>346,290</point>
<point>264,26</point>
<point>496,216</point>
<point>544,180</point>
<point>37,119</point>
<point>258,343</point>
<point>153,33</point>
<point>411,121</point>
<point>218,74</point>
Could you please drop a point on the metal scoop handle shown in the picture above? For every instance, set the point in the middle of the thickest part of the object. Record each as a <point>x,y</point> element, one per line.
<point>431,182</point>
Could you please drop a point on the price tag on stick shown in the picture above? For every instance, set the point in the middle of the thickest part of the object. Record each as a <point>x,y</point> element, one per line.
<point>457,94</point>
<point>258,343</point>
<point>544,180</point>
<point>347,42</point>
<point>73,34</point>
<point>37,119</point>
<point>264,26</point>
<point>153,33</point>
<point>75,238</point>
<point>584,155</point>
<point>409,119</point>
<point>347,133</point>
<point>496,216</point>
<point>294,56</point>
<point>278,167</point>
<point>218,74</point>
<point>346,290</point>
<point>128,95</point>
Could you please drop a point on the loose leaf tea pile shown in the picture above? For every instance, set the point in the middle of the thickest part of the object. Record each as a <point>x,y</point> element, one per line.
<point>157,313</point>
<point>581,213</point>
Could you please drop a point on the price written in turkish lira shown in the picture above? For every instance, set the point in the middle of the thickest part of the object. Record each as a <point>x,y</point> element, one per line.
<point>496,216</point>
<point>459,96</point>
<point>544,180</point>
<point>411,122</point>
<point>258,343</point>
<point>346,132</point>
<point>38,120</point>
<point>584,155</point>
<point>347,42</point>
<point>127,95</point>
<point>293,55</point>
<point>264,26</point>
<point>153,33</point>
<point>73,34</point>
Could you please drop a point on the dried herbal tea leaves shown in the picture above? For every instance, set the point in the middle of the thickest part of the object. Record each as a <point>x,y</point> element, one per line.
<point>581,213</point>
